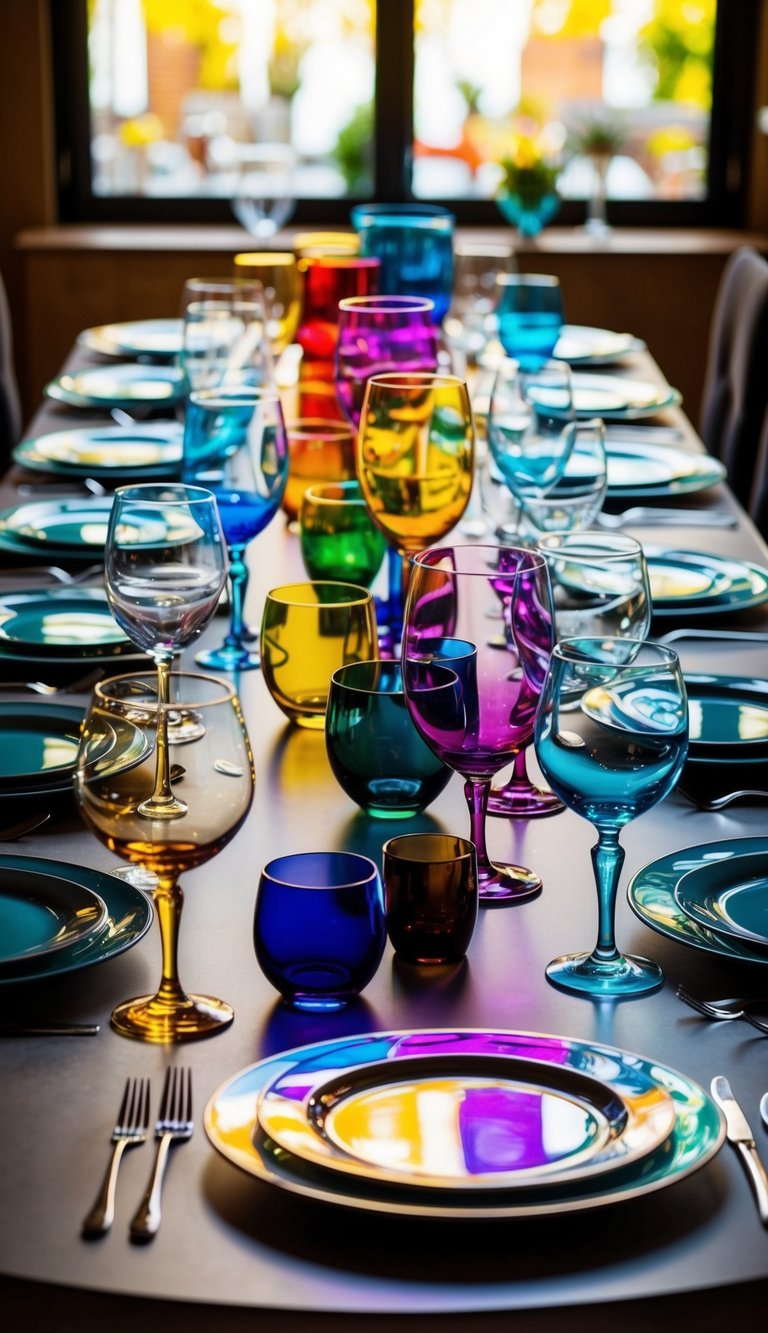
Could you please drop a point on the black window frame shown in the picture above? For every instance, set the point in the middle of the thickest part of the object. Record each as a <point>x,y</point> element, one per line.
<point>731,129</point>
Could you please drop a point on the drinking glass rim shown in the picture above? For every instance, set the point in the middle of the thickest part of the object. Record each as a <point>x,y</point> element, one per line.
<point>386,304</point>
<point>194,495</point>
<point>280,258</point>
<point>361,882</point>
<point>233,396</point>
<point>443,552</point>
<point>315,489</point>
<point>564,653</point>
<point>367,689</point>
<point>468,848</point>
<point>227,692</point>
<point>633,546</point>
<point>421,214</point>
<point>339,261</point>
<point>404,379</point>
<point>279,594</point>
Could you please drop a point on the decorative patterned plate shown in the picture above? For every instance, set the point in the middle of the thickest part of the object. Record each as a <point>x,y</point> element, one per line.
<point>125,386</point>
<point>640,469</point>
<point>41,913</point>
<point>129,917</point>
<point>699,584</point>
<point>159,339</point>
<point>651,894</point>
<point>60,623</point>
<point>581,345</point>
<point>232,1126</point>
<point>143,450</point>
<point>730,897</point>
<point>478,1111</point>
<point>38,746</point>
<point>728,717</point>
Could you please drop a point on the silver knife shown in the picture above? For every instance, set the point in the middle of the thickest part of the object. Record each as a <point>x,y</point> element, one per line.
<point>742,1138</point>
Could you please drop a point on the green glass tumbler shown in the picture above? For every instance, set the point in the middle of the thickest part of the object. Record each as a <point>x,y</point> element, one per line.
<point>339,539</point>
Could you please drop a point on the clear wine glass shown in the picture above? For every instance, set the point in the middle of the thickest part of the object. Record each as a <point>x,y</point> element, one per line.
<point>164,571</point>
<point>600,585</point>
<point>611,738</point>
<point>529,414</point>
<point>264,191</point>
<point>121,739</point>
<point>472,697</point>
<point>235,445</point>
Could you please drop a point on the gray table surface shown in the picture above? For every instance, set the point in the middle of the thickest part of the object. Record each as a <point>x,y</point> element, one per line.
<point>231,1242</point>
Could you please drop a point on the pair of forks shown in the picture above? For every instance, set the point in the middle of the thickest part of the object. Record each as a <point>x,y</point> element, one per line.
<point>174,1125</point>
<point>728,1008</point>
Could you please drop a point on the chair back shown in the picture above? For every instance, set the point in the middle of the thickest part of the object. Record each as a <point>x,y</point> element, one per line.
<point>10,411</point>
<point>736,378</point>
<point>758,500</point>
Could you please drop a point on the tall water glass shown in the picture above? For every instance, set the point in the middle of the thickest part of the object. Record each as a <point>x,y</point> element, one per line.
<point>414,243</point>
<point>611,738</point>
<point>530,315</point>
<point>473,698</point>
<point>329,279</point>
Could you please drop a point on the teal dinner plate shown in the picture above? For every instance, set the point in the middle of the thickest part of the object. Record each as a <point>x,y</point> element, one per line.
<point>727,717</point>
<point>38,745</point>
<point>60,623</point>
<point>729,896</point>
<point>58,525</point>
<point>694,583</point>
<point>232,1124</point>
<point>40,914</point>
<point>611,396</point>
<point>581,345</point>
<point>143,450</point>
<point>128,918</point>
<point>651,895</point>
<point>124,386</point>
<point>157,339</point>
<point>640,469</point>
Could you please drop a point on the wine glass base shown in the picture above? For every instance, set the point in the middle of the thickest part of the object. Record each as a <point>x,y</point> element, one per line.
<point>507,885</point>
<point>523,801</point>
<point>149,1018</point>
<point>229,659</point>
<point>622,978</point>
<point>162,808</point>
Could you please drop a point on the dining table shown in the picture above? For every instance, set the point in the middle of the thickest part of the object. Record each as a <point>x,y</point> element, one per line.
<point>235,1251</point>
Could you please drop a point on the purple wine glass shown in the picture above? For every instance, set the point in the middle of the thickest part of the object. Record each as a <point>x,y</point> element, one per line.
<point>472,695</point>
<point>378,334</point>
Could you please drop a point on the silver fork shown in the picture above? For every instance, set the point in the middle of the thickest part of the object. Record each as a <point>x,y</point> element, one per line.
<point>720,802</point>
<point>174,1125</point>
<point>130,1130</point>
<point>677,518</point>
<point>727,1008</point>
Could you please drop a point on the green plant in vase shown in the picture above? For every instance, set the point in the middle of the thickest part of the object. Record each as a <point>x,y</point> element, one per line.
<point>527,194</point>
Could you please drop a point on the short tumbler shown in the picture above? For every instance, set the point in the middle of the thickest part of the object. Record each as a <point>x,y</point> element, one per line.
<point>376,754</point>
<point>430,892</point>
<point>319,929</point>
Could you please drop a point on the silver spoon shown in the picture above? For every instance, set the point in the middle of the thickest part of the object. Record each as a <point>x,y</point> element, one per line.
<point>720,802</point>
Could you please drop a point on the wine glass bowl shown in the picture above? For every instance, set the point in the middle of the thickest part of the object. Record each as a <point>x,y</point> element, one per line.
<point>278,273</point>
<point>263,197</point>
<point>337,535</point>
<point>378,334</point>
<point>116,765</point>
<point>530,316</point>
<point>611,738</point>
<point>600,585</point>
<point>319,451</point>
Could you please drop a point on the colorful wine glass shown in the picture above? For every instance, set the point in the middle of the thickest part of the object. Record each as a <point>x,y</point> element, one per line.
<point>164,572</point>
<point>115,770</point>
<point>338,537</point>
<point>235,441</point>
<point>473,699</point>
<point>278,273</point>
<point>611,738</point>
<point>414,243</point>
<point>530,316</point>
<point>329,279</point>
<point>319,451</point>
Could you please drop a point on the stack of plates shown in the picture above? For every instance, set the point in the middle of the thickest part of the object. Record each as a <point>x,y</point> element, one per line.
<point>153,339</point>
<point>728,734</point>
<point>694,583</point>
<point>126,386</point>
<point>61,628</point>
<point>464,1124</point>
<point>56,917</point>
<point>56,530</point>
<point>38,749</point>
<point>106,452</point>
<point>709,897</point>
<point>611,396</point>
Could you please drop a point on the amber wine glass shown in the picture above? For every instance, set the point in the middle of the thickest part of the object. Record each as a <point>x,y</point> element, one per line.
<point>116,772</point>
<point>414,459</point>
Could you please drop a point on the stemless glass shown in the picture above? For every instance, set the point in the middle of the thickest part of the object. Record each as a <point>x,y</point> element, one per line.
<point>225,340</point>
<point>278,273</point>
<point>164,572</point>
<point>329,279</point>
<point>235,444</point>
<point>611,738</point>
<point>414,243</point>
<point>121,736</point>
<point>577,497</point>
<point>338,537</point>
<point>319,451</point>
<point>530,315</point>
<point>308,631</point>
<point>414,461</point>
<point>472,697</point>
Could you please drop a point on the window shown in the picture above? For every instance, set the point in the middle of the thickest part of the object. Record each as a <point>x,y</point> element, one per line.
<point>273,109</point>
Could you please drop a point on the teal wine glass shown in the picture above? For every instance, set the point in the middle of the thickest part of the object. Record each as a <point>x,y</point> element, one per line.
<point>338,537</point>
<point>611,738</point>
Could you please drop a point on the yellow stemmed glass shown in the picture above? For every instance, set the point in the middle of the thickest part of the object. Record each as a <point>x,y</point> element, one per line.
<point>116,771</point>
<point>414,460</point>
<point>278,273</point>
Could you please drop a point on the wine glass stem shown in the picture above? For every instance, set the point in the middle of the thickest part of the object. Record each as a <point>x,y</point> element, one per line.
<point>477,791</point>
<point>238,585</point>
<point>162,792</point>
<point>169,900</point>
<point>607,859</point>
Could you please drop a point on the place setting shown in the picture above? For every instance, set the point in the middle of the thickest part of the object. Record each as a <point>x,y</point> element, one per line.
<point>107,453</point>
<point>142,339</point>
<point>127,386</point>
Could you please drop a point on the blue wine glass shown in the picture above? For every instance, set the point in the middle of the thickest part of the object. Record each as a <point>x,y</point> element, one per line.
<point>235,438</point>
<point>611,738</point>
<point>414,243</point>
<point>530,316</point>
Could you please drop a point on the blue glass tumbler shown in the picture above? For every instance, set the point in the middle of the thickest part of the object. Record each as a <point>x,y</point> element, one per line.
<point>530,315</point>
<point>376,754</point>
<point>319,927</point>
<point>414,243</point>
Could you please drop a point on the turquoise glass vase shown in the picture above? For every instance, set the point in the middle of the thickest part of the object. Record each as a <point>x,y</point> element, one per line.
<point>528,216</point>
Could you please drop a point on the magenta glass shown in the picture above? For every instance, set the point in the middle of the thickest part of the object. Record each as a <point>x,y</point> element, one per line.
<point>473,694</point>
<point>378,334</point>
